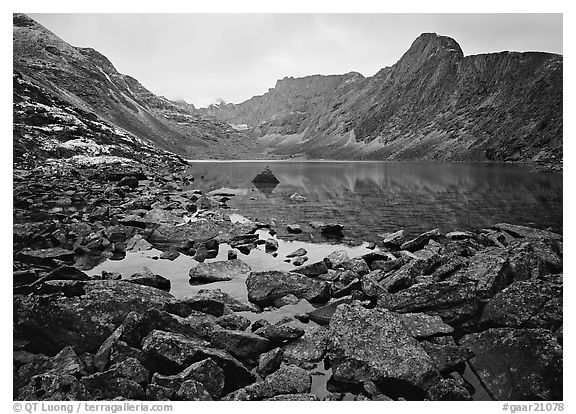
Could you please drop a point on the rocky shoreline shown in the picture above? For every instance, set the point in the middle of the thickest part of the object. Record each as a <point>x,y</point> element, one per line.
<point>411,320</point>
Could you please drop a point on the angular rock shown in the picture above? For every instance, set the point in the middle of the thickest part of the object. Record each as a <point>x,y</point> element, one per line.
<point>206,372</point>
<point>395,239</point>
<point>517,364</point>
<point>313,269</point>
<point>289,379</point>
<point>336,258</point>
<point>323,314</point>
<point>108,386</point>
<point>191,390</point>
<point>147,278</point>
<point>419,242</point>
<point>265,177</point>
<point>270,361</point>
<point>448,390</point>
<point>286,300</point>
<point>82,321</point>
<point>298,252</point>
<point>233,322</point>
<point>447,357</point>
<point>293,397</point>
<point>515,305</point>
<point>158,393</point>
<point>280,333</point>
<point>452,301</point>
<point>420,325</point>
<point>265,287</point>
<point>170,353</point>
<point>45,257</point>
<point>219,271</point>
<point>299,261</point>
<point>490,270</point>
<point>294,228</point>
<point>527,232</point>
<point>358,266</point>
<point>137,243</point>
<point>243,345</point>
<point>234,304</point>
<point>307,350</point>
<point>373,345</point>
<point>51,387</point>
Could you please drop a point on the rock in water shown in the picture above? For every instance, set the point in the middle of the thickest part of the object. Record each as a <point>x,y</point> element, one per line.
<point>373,345</point>
<point>265,287</point>
<point>219,271</point>
<point>266,177</point>
<point>517,364</point>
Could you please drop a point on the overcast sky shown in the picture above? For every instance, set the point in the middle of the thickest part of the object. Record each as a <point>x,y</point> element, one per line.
<point>201,57</point>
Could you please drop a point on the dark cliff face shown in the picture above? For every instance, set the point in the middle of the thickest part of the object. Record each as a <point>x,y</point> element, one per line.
<point>433,104</point>
<point>84,79</point>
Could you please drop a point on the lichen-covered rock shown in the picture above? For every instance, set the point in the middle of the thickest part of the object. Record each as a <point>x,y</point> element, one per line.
<point>452,301</point>
<point>52,387</point>
<point>169,353</point>
<point>447,357</point>
<point>265,287</point>
<point>420,241</point>
<point>373,345</point>
<point>233,322</point>
<point>517,364</point>
<point>312,269</point>
<point>240,344</point>
<point>448,390</point>
<point>270,361</point>
<point>219,271</point>
<point>280,333</point>
<point>234,304</point>
<point>191,390</point>
<point>322,315</point>
<point>206,372</point>
<point>289,379</point>
<point>307,350</point>
<point>522,301</point>
<point>420,325</point>
<point>293,397</point>
<point>147,278</point>
<point>82,321</point>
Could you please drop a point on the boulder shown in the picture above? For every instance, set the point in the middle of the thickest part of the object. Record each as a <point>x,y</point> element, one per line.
<point>234,304</point>
<point>280,333</point>
<point>271,245</point>
<point>170,353</point>
<point>526,232</point>
<point>395,239</point>
<point>128,181</point>
<point>299,261</point>
<point>336,258</point>
<point>419,242</point>
<point>137,243</point>
<point>206,372</point>
<point>289,379</point>
<point>233,322</point>
<point>307,350</point>
<point>332,230</point>
<point>265,177</point>
<point>83,321</point>
<point>447,357</point>
<point>313,269</point>
<point>517,364</point>
<point>420,325</point>
<point>243,345</point>
<point>45,257</point>
<point>265,287</point>
<point>294,228</point>
<point>53,387</point>
<point>453,302</point>
<point>521,302</point>
<point>323,314</point>
<point>270,361</point>
<point>219,271</point>
<point>293,397</point>
<point>147,278</point>
<point>448,390</point>
<point>358,266</point>
<point>298,252</point>
<point>373,345</point>
<point>191,390</point>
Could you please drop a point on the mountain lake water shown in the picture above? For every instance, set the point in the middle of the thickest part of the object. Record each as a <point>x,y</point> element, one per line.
<point>368,199</point>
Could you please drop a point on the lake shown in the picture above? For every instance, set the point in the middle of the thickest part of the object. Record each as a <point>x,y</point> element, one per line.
<point>378,197</point>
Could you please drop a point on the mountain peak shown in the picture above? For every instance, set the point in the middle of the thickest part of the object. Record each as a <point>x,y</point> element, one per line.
<point>432,42</point>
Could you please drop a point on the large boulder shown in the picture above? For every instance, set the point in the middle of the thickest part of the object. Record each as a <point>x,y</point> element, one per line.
<point>373,345</point>
<point>265,177</point>
<point>83,320</point>
<point>265,287</point>
<point>243,345</point>
<point>147,278</point>
<point>517,364</point>
<point>219,271</point>
<point>232,303</point>
<point>206,372</point>
<point>307,350</point>
<point>170,353</point>
<point>419,242</point>
<point>524,301</point>
<point>453,302</point>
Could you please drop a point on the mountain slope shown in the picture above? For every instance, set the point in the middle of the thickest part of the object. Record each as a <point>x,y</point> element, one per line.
<point>433,104</point>
<point>86,80</point>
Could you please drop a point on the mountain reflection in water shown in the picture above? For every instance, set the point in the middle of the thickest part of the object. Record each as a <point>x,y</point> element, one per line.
<point>376,197</point>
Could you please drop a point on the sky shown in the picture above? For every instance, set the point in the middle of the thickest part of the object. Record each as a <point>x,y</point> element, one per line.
<point>203,57</point>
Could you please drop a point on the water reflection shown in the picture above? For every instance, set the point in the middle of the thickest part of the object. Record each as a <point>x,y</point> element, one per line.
<point>373,197</point>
